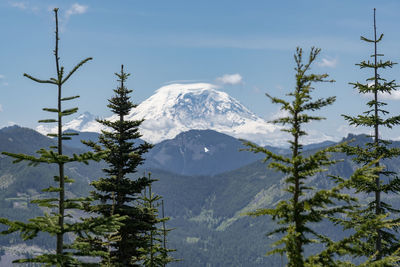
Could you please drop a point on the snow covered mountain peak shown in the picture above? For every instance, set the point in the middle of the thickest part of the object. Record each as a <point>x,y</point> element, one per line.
<point>196,106</point>
<point>185,98</point>
<point>178,108</point>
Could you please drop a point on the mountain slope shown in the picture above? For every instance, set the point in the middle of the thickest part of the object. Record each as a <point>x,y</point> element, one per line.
<point>20,183</point>
<point>199,152</point>
<point>208,212</point>
<point>189,201</point>
<point>195,152</point>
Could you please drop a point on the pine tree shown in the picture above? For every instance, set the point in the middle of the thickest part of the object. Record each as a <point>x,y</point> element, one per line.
<point>117,193</point>
<point>380,239</point>
<point>157,254</point>
<point>57,222</point>
<point>306,204</point>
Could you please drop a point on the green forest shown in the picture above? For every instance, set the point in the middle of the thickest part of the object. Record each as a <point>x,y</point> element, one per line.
<point>334,204</point>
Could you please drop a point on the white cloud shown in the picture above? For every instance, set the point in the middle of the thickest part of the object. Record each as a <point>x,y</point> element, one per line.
<point>20,5</point>
<point>76,9</point>
<point>279,114</point>
<point>1,108</point>
<point>327,62</point>
<point>230,79</point>
<point>2,77</point>
<point>395,95</point>
<point>25,6</point>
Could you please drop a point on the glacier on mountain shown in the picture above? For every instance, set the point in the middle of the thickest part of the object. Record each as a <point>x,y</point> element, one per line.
<point>177,108</point>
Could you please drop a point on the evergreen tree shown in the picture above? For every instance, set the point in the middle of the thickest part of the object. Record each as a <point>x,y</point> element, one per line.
<point>117,193</point>
<point>157,254</point>
<point>305,205</point>
<point>380,239</point>
<point>354,244</point>
<point>57,222</point>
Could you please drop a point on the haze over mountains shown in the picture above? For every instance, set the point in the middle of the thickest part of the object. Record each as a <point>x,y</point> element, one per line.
<point>178,108</point>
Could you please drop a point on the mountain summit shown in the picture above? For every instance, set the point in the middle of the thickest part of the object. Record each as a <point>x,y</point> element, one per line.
<point>178,108</point>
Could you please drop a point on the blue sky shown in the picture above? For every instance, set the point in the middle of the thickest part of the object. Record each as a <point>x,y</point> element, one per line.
<point>246,47</point>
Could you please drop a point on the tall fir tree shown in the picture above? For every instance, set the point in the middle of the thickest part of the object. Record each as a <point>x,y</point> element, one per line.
<point>58,222</point>
<point>381,239</point>
<point>306,205</point>
<point>117,193</point>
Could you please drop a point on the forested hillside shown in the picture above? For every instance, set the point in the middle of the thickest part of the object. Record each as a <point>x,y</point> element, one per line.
<point>207,212</point>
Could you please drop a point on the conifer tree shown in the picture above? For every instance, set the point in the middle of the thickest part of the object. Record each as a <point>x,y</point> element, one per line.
<point>157,254</point>
<point>305,205</point>
<point>117,193</point>
<point>57,222</point>
<point>335,253</point>
<point>379,239</point>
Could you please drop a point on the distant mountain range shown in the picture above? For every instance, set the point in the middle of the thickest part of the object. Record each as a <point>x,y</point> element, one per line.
<point>178,108</point>
<point>196,152</point>
<point>206,210</point>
